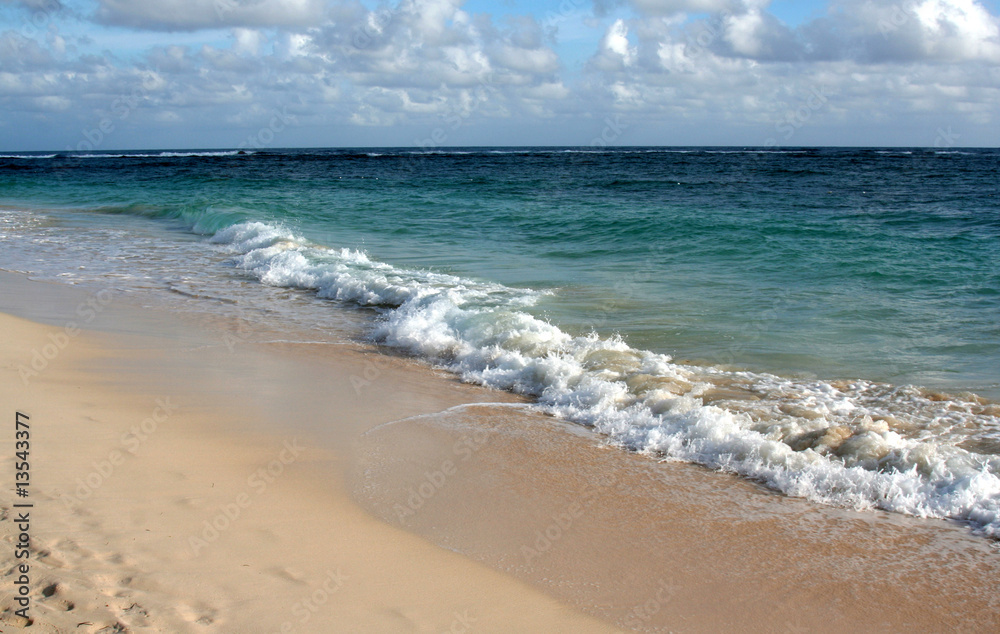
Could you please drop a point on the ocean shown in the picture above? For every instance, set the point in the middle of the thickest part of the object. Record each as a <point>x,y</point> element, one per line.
<point>825,321</point>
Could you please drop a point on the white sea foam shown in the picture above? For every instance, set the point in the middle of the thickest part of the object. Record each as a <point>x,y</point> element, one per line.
<point>162,154</point>
<point>853,443</point>
<point>27,156</point>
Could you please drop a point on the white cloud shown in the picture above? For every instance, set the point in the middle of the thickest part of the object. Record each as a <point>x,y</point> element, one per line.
<point>19,53</point>
<point>247,41</point>
<point>534,61</point>
<point>869,65</point>
<point>53,103</point>
<point>615,52</point>
<point>429,19</point>
<point>616,42</point>
<point>743,32</point>
<point>547,92</point>
<point>941,30</point>
<point>167,116</point>
<point>958,29</point>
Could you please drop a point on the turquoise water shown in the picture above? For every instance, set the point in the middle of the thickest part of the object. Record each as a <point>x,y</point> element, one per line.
<point>819,319</point>
<point>838,263</point>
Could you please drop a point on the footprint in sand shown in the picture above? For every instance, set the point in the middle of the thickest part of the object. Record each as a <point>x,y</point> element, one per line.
<point>177,476</point>
<point>135,610</point>
<point>135,615</point>
<point>52,594</point>
<point>116,559</point>
<point>67,550</point>
<point>111,585</point>
<point>7,617</point>
<point>202,615</point>
<point>286,575</point>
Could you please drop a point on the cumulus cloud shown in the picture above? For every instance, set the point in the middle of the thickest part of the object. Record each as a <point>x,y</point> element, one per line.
<point>758,35</point>
<point>614,52</point>
<point>865,31</point>
<point>942,31</point>
<point>404,59</point>
<point>861,64</point>
<point>425,63</point>
<point>20,54</point>
<point>953,30</point>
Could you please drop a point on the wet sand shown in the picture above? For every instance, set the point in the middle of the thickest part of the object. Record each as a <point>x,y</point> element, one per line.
<point>182,482</point>
<point>654,546</point>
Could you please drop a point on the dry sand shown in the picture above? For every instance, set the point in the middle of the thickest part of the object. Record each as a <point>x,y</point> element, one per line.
<point>203,477</point>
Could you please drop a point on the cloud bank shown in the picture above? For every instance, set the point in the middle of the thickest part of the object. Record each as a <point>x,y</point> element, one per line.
<point>672,71</point>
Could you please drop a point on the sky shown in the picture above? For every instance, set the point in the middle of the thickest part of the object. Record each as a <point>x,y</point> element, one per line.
<point>135,74</point>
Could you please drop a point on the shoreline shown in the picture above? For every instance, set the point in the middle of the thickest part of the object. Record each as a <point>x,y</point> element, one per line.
<point>211,513</point>
<point>305,458</point>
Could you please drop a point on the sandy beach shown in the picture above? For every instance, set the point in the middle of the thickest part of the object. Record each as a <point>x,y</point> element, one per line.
<point>203,476</point>
<point>455,317</point>
<point>181,487</point>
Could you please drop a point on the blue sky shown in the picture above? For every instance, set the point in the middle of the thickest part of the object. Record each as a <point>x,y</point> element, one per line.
<point>119,74</point>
